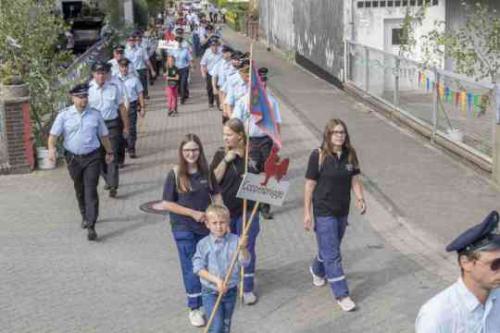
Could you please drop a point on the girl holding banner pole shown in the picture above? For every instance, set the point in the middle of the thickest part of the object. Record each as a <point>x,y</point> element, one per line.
<point>333,171</point>
<point>228,166</point>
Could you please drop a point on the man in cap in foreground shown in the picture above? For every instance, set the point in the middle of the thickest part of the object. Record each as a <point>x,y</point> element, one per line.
<point>472,304</point>
<point>83,130</point>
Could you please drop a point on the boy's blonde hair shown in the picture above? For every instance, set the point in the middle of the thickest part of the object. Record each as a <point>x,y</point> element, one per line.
<point>219,211</point>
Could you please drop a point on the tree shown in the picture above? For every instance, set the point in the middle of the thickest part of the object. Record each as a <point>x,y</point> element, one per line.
<point>30,32</point>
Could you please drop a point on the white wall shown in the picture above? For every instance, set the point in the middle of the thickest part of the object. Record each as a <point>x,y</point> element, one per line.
<point>277,15</point>
<point>369,23</point>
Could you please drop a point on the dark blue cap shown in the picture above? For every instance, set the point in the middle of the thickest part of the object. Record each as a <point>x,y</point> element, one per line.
<point>226,48</point>
<point>100,66</point>
<point>119,48</point>
<point>483,236</point>
<point>213,41</point>
<point>81,89</point>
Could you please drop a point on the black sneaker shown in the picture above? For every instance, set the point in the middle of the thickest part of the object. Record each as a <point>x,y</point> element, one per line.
<point>91,234</point>
<point>112,192</point>
<point>107,187</point>
<point>132,154</point>
<point>84,224</point>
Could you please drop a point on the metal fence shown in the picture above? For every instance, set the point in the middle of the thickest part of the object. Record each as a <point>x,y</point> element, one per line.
<point>453,107</point>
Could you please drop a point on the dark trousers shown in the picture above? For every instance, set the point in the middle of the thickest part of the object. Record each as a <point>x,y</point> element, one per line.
<point>154,62</point>
<point>84,171</point>
<point>183,83</point>
<point>260,148</point>
<point>110,171</point>
<point>143,77</point>
<point>197,45</point>
<point>132,116</point>
<point>186,242</point>
<point>210,92</point>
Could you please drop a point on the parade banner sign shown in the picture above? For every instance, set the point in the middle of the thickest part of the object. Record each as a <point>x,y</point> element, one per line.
<point>168,44</point>
<point>253,188</point>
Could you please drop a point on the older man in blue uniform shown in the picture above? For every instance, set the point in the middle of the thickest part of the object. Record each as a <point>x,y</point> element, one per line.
<point>106,97</point>
<point>83,130</point>
<point>472,304</point>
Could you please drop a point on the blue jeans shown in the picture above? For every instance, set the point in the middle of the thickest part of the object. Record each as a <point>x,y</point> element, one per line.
<point>328,263</point>
<point>186,245</point>
<point>222,319</point>
<point>237,228</point>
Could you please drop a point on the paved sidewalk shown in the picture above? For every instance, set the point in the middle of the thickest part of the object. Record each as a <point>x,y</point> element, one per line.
<point>53,280</point>
<point>430,196</point>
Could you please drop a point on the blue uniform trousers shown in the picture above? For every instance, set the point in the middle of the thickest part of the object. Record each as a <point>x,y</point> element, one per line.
<point>237,228</point>
<point>222,319</point>
<point>186,245</point>
<point>328,263</point>
<point>197,45</point>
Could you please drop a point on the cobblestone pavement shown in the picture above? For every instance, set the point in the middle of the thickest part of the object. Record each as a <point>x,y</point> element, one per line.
<point>54,280</point>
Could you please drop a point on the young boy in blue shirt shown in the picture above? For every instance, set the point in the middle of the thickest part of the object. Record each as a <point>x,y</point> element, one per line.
<point>211,263</point>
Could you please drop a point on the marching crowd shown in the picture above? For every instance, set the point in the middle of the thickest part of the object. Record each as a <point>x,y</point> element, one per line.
<point>208,221</point>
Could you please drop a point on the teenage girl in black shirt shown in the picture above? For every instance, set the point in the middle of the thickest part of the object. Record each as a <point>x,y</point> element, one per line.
<point>332,172</point>
<point>229,167</point>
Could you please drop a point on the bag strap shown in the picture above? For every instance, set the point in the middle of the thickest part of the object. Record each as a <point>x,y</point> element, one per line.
<point>321,159</point>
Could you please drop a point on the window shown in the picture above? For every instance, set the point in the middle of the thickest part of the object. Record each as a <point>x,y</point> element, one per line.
<point>361,4</point>
<point>396,36</point>
<point>382,3</point>
<point>413,2</point>
<point>368,4</point>
<point>397,3</point>
<point>390,3</point>
<point>374,4</point>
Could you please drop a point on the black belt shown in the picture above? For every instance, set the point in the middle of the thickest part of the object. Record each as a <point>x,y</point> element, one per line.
<point>112,122</point>
<point>70,154</point>
<point>257,138</point>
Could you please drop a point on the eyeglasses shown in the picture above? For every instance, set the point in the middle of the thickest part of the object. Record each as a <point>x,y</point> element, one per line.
<point>194,150</point>
<point>494,265</point>
<point>338,133</point>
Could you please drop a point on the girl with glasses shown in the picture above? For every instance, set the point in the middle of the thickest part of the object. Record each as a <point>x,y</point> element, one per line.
<point>189,189</point>
<point>333,171</point>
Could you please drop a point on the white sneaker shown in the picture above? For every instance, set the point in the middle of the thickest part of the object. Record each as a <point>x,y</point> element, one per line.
<point>317,281</point>
<point>196,318</point>
<point>346,304</point>
<point>249,298</point>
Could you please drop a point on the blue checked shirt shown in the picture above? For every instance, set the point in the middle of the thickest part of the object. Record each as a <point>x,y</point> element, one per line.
<point>221,70</point>
<point>210,59</point>
<point>81,131</point>
<point>214,255</point>
<point>457,310</point>
<point>106,99</point>
<point>236,90</point>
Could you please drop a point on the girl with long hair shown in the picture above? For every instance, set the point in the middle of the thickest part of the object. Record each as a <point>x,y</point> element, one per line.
<point>333,171</point>
<point>228,165</point>
<point>189,189</point>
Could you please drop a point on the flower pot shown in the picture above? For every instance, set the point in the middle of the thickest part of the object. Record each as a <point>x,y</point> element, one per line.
<point>42,159</point>
<point>14,92</point>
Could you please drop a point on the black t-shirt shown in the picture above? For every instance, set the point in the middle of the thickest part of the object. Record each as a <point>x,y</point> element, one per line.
<point>172,72</point>
<point>198,198</point>
<point>231,182</point>
<point>332,195</point>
